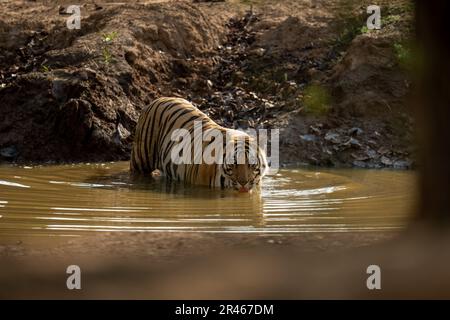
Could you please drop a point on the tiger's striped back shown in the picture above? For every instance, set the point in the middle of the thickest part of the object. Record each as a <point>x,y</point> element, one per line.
<point>153,144</point>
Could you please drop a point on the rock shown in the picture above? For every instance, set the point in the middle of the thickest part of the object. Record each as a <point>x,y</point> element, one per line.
<point>75,120</point>
<point>352,142</point>
<point>238,75</point>
<point>58,90</point>
<point>316,130</point>
<point>253,95</point>
<point>308,137</point>
<point>99,137</point>
<point>66,86</point>
<point>9,153</point>
<point>325,150</point>
<point>383,150</point>
<point>386,161</point>
<point>268,105</point>
<point>371,153</point>
<point>355,131</point>
<point>62,10</point>
<point>333,137</point>
<point>402,164</point>
<point>359,164</point>
<point>181,81</point>
<point>258,52</point>
<point>121,134</point>
<point>360,157</point>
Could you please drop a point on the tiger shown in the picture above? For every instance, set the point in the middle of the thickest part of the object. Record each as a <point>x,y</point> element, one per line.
<point>153,148</point>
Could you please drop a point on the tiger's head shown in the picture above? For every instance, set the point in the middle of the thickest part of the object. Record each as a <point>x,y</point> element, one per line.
<point>246,169</point>
<point>242,177</point>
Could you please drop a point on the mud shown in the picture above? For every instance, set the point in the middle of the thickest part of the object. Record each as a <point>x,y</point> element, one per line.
<point>338,94</point>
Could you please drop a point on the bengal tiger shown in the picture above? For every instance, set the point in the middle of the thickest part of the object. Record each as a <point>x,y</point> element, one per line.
<point>154,145</point>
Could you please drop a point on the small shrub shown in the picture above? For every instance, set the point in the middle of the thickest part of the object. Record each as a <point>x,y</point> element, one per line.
<point>316,100</point>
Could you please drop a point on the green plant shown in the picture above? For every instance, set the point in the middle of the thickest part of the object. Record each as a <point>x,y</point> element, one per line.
<point>404,55</point>
<point>108,37</point>
<point>107,56</point>
<point>364,29</point>
<point>107,40</point>
<point>316,100</point>
<point>45,68</point>
<point>346,36</point>
<point>390,19</point>
<point>349,21</point>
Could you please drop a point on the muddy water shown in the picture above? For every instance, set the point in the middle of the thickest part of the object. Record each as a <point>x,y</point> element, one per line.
<point>73,200</point>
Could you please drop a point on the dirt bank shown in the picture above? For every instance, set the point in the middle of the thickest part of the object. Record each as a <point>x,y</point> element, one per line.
<point>336,91</point>
<point>237,266</point>
<point>130,265</point>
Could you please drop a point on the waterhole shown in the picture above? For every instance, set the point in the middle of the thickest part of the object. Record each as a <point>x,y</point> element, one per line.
<point>72,200</point>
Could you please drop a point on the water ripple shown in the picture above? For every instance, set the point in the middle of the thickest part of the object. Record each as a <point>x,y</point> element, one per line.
<point>72,200</point>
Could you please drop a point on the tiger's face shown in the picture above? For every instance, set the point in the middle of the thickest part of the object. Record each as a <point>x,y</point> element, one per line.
<point>242,177</point>
<point>244,163</point>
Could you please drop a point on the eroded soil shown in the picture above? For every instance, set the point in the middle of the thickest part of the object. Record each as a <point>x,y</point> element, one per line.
<point>338,93</point>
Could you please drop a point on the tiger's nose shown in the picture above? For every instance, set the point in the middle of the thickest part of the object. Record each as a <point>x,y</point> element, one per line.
<point>242,182</point>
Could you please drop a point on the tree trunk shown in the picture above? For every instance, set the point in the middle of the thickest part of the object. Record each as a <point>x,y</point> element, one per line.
<point>432,109</point>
